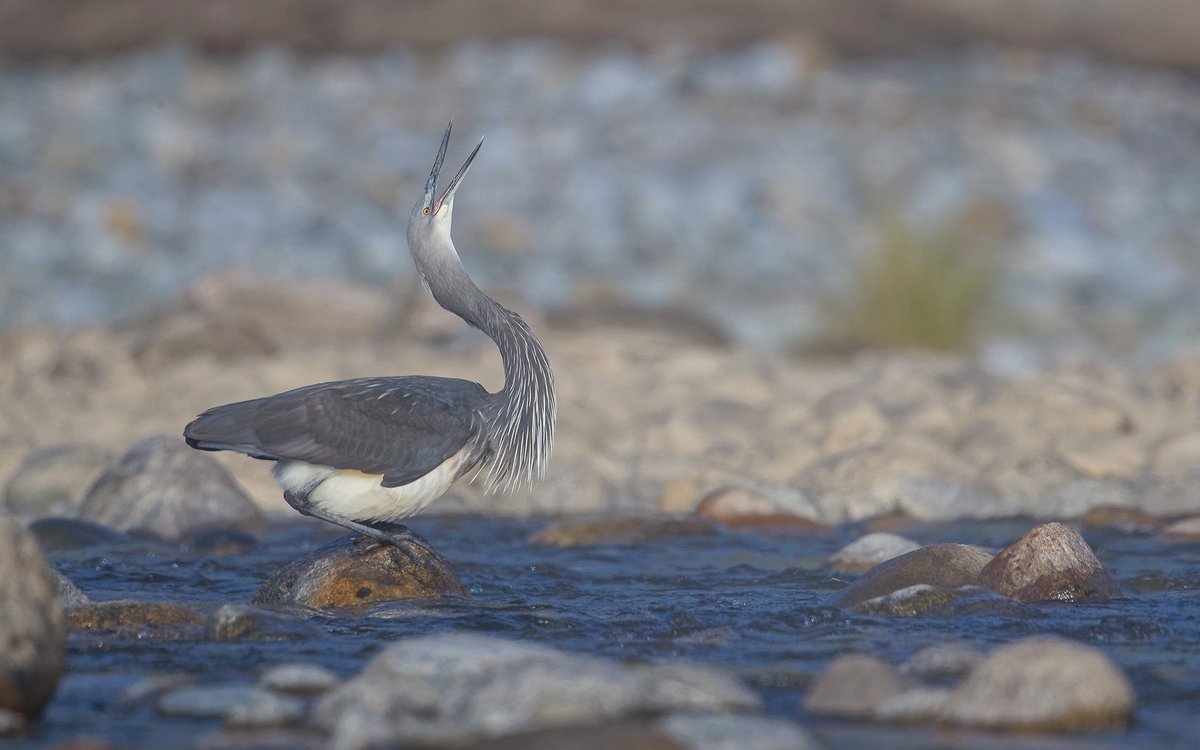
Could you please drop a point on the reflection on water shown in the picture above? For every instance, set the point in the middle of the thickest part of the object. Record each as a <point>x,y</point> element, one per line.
<point>753,603</point>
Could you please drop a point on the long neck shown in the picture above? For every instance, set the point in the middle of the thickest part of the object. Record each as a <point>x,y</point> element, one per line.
<point>521,415</point>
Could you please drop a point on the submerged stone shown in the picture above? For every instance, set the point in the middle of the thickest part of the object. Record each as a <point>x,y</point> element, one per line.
<point>240,622</point>
<point>1051,562</point>
<point>355,571</point>
<point>946,566</point>
<point>132,619</point>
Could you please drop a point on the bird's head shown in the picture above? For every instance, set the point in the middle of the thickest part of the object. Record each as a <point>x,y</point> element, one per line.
<point>431,214</point>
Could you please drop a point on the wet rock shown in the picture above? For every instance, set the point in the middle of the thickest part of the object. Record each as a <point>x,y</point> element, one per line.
<point>854,686</point>
<point>31,623</point>
<point>586,532</point>
<point>1185,531</point>
<point>760,506</point>
<point>131,619</point>
<point>266,708</point>
<point>1051,562</point>
<point>868,551</point>
<point>941,662</point>
<point>52,481</point>
<point>58,534</point>
<point>734,732</point>
<point>202,702</point>
<point>240,622</point>
<point>68,593</point>
<point>301,679</point>
<point>947,566</point>
<point>910,601</point>
<point>163,488</point>
<point>1043,685</point>
<point>355,571</point>
<point>458,687</point>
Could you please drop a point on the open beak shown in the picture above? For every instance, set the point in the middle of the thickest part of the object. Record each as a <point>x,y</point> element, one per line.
<point>431,184</point>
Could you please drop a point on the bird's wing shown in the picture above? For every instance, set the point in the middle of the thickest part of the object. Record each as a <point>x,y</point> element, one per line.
<point>402,428</point>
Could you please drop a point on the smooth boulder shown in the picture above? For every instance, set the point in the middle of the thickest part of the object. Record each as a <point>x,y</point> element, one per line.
<point>31,623</point>
<point>853,686</point>
<point>946,566</point>
<point>1043,685</point>
<point>355,571</point>
<point>163,488</point>
<point>1051,562</point>
<point>459,687</point>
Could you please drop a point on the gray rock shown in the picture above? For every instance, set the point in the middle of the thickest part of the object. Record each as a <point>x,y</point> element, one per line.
<point>52,481</point>
<point>940,662</point>
<point>266,708</point>
<point>1044,685</point>
<point>163,488</point>
<point>457,687</point>
<point>31,623</point>
<point>357,571</point>
<point>1051,562</point>
<point>68,593</point>
<point>241,622</point>
<point>947,566</point>
<point>870,550</point>
<point>735,732</point>
<point>203,702</point>
<point>854,686</point>
<point>302,679</point>
<point>919,705</point>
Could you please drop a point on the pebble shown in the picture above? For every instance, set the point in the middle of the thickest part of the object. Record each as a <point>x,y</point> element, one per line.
<point>163,488</point>
<point>358,571</point>
<point>203,702</point>
<point>53,480</point>
<point>31,623</point>
<point>1050,562</point>
<point>301,679</point>
<point>1043,685</point>
<point>266,708</point>
<point>870,550</point>
<point>588,532</point>
<point>458,687</point>
<point>241,622</point>
<point>946,566</point>
<point>760,506</point>
<point>735,732</point>
<point>853,686</point>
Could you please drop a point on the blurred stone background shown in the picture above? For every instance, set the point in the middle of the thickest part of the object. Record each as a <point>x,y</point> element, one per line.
<point>206,201</point>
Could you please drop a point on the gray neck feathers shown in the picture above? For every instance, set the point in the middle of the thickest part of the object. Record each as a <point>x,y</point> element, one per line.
<point>521,416</point>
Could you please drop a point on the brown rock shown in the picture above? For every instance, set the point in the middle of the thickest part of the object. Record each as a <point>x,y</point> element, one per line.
<point>760,506</point>
<point>1051,562</point>
<point>31,623</point>
<point>911,601</point>
<point>1043,685</point>
<point>355,571</point>
<point>584,532</point>
<point>1186,531</point>
<point>130,619</point>
<point>1123,518</point>
<point>164,488</point>
<point>948,566</point>
<point>854,685</point>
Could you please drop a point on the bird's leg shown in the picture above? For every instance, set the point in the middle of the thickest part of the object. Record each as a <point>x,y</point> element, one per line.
<point>303,505</point>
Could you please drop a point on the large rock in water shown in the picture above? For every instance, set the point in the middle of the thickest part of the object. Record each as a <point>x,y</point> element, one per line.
<point>457,687</point>
<point>164,488</point>
<point>357,570</point>
<point>1051,562</point>
<point>947,566</point>
<point>32,636</point>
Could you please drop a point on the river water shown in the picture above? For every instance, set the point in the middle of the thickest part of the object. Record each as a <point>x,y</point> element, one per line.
<point>752,603</point>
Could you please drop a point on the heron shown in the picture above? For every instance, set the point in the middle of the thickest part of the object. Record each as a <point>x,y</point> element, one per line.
<point>367,452</point>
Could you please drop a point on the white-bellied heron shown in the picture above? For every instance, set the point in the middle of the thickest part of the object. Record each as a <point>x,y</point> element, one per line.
<point>366,452</point>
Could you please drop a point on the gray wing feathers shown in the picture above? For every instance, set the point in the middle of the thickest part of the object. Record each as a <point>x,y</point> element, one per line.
<point>402,428</point>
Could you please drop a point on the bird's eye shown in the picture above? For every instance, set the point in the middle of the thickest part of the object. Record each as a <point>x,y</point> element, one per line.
<point>425,210</point>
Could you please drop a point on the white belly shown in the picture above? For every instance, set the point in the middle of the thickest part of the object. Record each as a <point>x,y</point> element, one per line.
<point>361,497</point>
